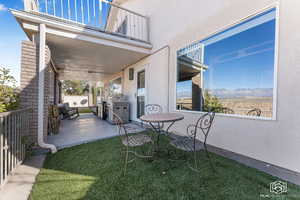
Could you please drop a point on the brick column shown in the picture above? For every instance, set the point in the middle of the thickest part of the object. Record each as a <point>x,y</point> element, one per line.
<point>29,85</point>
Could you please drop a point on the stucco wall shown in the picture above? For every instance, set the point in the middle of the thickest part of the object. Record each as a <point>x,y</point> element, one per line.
<point>156,81</point>
<point>179,23</point>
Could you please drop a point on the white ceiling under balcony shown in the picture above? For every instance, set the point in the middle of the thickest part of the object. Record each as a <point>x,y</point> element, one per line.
<point>78,59</point>
<point>79,52</point>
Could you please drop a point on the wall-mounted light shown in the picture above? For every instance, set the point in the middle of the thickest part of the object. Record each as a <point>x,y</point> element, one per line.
<point>131,74</point>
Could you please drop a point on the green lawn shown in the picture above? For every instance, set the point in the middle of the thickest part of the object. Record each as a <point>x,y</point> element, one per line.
<point>94,171</point>
<point>84,110</point>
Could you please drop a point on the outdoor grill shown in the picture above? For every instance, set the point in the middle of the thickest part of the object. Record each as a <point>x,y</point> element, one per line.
<point>119,106</point>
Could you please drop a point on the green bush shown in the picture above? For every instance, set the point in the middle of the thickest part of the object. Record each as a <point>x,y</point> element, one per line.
<point>212,103</point>
<point>75,87</point>
<point>9,95</point>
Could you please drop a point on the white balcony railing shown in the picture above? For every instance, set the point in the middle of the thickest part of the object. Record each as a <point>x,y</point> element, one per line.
<point>99,14</point>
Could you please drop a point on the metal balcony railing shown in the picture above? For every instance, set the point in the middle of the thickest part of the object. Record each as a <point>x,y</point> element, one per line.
<point>98,14</point>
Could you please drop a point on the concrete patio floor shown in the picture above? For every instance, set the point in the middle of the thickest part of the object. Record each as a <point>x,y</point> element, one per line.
<point>86,128</point>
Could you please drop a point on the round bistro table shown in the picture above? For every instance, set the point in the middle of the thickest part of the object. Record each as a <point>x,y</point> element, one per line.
<point>158,120</point>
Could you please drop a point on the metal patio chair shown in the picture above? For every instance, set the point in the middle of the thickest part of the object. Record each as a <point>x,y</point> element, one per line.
<point>254,112</point>
<point>154,109</point>
<point>190,143</point>
<point>131,143</point>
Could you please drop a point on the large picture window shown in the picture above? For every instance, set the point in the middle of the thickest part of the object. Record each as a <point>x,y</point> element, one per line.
<point>231,72</point>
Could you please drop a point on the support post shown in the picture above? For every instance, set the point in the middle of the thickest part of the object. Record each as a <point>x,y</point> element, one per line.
<point>42,68</point>
<point>31,5</point>
<point>148,28</point>
<point>91,93</point>
<point>27,6</point>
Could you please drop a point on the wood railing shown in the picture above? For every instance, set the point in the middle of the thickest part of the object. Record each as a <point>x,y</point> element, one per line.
<point>14,126</point>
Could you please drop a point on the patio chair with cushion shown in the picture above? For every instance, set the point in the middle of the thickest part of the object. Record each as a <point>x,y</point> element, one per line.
<point>190,143</point>
<point>67,112</point>
<point>132,143</point>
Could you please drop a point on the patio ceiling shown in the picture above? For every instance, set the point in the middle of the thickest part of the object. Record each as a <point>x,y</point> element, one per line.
<point>80,52</point>
<point>78,59</point>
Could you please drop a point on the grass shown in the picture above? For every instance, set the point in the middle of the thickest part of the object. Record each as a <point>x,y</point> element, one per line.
<point>84,110</point>
<point>94,171</point>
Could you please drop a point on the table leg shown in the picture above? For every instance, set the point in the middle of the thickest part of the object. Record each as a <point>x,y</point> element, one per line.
<point>158,131</point>
<point>170,127</point>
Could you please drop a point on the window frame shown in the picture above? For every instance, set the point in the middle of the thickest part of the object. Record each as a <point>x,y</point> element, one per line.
<point>276,61</point>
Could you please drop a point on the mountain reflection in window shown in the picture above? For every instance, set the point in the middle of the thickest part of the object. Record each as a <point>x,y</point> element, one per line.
<point>231,72</point>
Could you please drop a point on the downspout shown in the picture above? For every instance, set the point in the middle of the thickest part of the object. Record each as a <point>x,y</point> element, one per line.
<point>169,55</point>
<point>41,78</point>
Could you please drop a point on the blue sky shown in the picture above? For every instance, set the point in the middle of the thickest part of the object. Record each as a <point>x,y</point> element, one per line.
<point>94,12</point>
<point>11,35</point>
<point>241,57</point>
<point>247,56</point>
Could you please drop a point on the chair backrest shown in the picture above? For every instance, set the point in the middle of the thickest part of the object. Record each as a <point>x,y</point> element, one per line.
<point>254,112</point>
<point>53,111</point>
<point>120,124</point>
<point>62,109</point>
<point>204,123</point>
<point>67,106</point>
<point>153,109</point>
<point>50,111</point>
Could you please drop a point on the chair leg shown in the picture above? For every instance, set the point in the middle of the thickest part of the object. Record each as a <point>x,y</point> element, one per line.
<point>193,165</point>
<point>144,150</point>
<point>77,114</point>
<point>195,160</point>
<point>126,161</point>
<point>208,156</point>
<point>177,155</point>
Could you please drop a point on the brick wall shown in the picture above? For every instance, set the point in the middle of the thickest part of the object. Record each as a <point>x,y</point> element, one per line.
<point>51,84</point>
<point>29,85</point>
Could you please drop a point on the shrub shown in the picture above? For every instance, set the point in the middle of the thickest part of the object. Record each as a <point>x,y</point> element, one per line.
<point>212,103</point>
<point>9,96</point>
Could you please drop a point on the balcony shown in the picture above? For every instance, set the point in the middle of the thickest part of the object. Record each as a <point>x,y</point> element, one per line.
<point>99,15</point>
<point>88,39</point>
